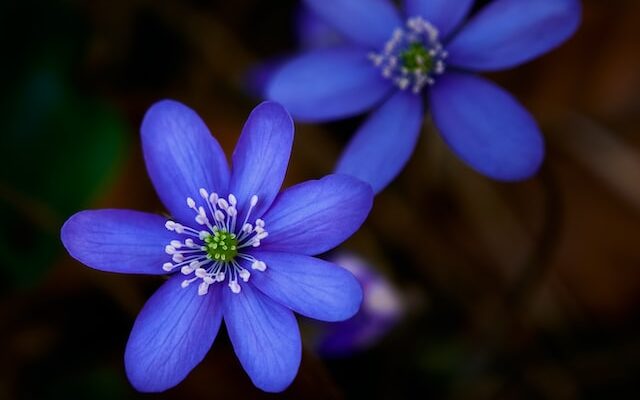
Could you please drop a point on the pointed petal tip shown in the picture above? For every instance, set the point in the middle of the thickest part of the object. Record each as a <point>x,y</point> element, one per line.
<point>261,156</point>
<point>507,33</point>
<point>181,156</point>
<point>171,336</point>
<point>165,105</point>
<point>274,109</point>
<point>507,146</point>
<point>121,241</point>
<point>265,337</point>
<point>302,219</point>
<point>309,286</point>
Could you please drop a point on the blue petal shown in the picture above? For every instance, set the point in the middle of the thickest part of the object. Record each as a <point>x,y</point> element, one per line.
<point>172,334</point>
<point>316,216</point>
<point>265,337</point>
<point>181,156</point>
<point>328,84</point>
<point>446,15</point>
<point>368,23</point>
<point>383,144</point>
<point>507,33</point>
<point>314,32</point>
<point>486,127</point>
<point>309,286</point>
<point>261,156</point>
<point>121,241</point>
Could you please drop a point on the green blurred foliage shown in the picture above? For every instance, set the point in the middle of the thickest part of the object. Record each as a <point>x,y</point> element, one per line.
<point>59,145</point>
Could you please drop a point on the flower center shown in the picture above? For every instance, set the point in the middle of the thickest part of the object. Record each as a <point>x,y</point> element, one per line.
<point>413,57</point>
<point>214,253</point>
<point>416,59</point>
<point>221,246</point>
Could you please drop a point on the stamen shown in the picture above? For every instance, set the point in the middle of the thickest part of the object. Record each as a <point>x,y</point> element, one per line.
<point>210,255</point>
<point>412,57</point>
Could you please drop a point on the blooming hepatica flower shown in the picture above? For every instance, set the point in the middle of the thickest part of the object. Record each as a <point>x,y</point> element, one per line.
<point>236,249</point>
<point>382,309</point>
<point>428,57</point>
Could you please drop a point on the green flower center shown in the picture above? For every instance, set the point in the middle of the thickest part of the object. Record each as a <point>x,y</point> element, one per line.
<point>416,58</point>
<point>221,246</point>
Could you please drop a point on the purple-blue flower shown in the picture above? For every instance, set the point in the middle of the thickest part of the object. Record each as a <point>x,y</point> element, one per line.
<point>398,63</point>
<point>234,247</point>
<point>382,309</point>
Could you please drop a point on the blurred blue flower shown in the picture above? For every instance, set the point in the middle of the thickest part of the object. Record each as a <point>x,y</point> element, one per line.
<point>381,310</point>
<point>397,66</point>
<point>228,227</point>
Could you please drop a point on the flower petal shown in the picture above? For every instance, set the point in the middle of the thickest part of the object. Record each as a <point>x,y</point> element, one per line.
<point>123,241</point>
<point>486,127</point>
<point>181,156</point>
<point>316,216</point>
<point>446,15</point>
<point>172,334</point>
<point>265,337</point>
<point>368,23</point>
<point>328,84</point>
<point>507,33</point>
<point>313,32</point>
<point>383,144</point>
<point>309,286</point>
<point>261,156</point>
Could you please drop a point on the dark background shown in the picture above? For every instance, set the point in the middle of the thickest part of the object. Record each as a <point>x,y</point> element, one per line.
<point>512,291</point>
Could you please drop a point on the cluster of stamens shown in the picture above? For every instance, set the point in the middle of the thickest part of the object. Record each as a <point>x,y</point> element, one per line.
<point>413,57</point>
<point>211,254</point>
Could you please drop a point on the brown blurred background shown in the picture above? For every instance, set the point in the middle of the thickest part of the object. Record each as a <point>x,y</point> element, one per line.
<point>512,291</point>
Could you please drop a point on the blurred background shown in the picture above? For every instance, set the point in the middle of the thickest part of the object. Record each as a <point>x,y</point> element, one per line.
<point>474,289</point>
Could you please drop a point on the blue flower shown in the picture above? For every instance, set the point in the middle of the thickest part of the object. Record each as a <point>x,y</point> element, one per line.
<point>235,248</point>
<point>382,308</point>
<point>397,67</point>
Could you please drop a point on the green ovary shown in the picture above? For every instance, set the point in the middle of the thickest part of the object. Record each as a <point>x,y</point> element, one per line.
<point>221,246</point>
<point>416,58</point>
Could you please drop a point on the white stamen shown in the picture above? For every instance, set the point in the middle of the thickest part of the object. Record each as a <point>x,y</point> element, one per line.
<point>244,275</point>
<point>186,270</point>
<point>203,288</point>
<point>259,265</point>
<point>391,60</point>
<point>200,257</point>
<point>222,203</point>
<point>220,216</point>
<point>235,288</point>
